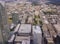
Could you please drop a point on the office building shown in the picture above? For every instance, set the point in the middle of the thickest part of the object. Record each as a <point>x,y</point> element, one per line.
<point>4,27</point>
<point>37,35</point>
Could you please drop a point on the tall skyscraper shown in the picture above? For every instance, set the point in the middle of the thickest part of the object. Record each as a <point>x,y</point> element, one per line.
<point>4,27</point>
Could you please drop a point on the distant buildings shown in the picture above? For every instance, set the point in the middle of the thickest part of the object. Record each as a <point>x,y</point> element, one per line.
<point>27,18</point>
<point>56,2</point>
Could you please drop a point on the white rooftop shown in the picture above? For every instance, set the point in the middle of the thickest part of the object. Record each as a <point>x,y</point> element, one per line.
<point>25,28</point>
<point>46,22</point>
<point>57,26</point>
<point>23,39</point>
<point>37,29</point>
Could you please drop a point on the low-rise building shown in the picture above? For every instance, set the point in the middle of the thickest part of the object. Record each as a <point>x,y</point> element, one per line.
<point>22,40</point>
<point>25,30</point>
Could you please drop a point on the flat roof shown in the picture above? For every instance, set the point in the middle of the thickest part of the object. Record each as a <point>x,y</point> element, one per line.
<point>25,28</point>
<point>57,26</point>
<point>37,29</point>
<point>21,38</point>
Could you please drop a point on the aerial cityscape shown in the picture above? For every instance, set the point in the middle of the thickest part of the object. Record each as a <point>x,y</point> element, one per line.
<point>29,21</point>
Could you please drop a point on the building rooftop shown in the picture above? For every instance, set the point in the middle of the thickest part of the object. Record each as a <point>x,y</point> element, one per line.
<point>22,40</point>
<point>37,29</point>
<point>57,26</point>
<point>25,28</point>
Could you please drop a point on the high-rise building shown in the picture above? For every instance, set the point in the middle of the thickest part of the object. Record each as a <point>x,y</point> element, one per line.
<point>15,18</point>
<point>4,28</point>
<point>37,35</point>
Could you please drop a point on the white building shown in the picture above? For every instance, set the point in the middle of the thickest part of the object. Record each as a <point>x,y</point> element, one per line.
<point>22,40</point>
<point>37,35</point>
<point>25,30</point>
